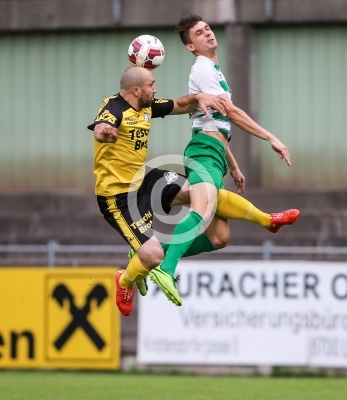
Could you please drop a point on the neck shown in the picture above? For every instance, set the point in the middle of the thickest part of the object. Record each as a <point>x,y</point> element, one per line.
<point>131,100</point>
<point>211,56</point>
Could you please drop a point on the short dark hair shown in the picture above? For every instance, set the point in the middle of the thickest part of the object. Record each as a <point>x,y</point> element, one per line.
<point>185,24</point>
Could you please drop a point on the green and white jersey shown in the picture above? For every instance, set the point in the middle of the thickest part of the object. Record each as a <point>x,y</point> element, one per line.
<point>206,77</point>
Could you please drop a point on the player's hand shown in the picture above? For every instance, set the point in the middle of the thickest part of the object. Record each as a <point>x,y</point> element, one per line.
<point>105,133</point>
<point>281,150</point>
<point>217,103</point>
<point>239,179</point>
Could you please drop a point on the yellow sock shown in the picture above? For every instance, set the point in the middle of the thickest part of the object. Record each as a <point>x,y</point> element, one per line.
<point>232,206</point>
<point>133,273</point>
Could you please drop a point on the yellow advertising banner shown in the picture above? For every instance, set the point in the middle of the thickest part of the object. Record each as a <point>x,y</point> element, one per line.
<point>59,318</point>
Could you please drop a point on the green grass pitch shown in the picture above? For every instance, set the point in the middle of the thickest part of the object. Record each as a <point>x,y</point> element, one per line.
<point>23,385</point>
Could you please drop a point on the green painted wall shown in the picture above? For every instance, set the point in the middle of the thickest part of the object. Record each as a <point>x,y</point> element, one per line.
<point>302,99</point>
<point>52,85</point>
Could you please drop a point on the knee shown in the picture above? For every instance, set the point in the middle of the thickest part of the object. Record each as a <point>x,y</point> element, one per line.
<point>156,257</point>
<point>221,243</point>
<point>221,238</point>
<point>152,258</point>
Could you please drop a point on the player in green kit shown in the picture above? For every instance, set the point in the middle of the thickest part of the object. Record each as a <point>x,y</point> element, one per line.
<point>207,157</point>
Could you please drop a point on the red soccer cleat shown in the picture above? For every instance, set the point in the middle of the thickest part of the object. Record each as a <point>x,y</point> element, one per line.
<point>283,218</point>
<point>124,297</point>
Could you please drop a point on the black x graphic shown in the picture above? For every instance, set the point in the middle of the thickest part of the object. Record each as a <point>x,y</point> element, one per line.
<point>79,315</point>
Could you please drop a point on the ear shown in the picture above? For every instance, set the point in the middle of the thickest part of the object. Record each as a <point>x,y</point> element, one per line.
<point>135,90</point>
<point>190,47</point>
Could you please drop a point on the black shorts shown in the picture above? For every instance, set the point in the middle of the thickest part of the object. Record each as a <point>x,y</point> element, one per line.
<point>131,214</point>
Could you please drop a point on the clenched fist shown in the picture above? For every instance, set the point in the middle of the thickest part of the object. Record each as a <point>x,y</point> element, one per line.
<point>105,133</point>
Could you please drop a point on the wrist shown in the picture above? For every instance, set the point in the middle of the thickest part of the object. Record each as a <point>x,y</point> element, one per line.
<point>269,136</point>
<point>197,97</point>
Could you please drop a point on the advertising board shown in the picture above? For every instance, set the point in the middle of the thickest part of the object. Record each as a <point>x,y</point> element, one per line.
<point>58,318</point>
<point>289,313</point>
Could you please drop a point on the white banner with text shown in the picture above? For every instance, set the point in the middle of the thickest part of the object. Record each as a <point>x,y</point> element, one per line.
<point>248,313</point>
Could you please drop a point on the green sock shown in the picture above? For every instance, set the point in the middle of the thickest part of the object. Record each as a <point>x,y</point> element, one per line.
<point>201,244</point>
<point>183,236</point>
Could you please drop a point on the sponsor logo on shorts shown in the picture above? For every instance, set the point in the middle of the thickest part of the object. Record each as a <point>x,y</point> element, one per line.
<point>144,223</point>
<point>170,177</point>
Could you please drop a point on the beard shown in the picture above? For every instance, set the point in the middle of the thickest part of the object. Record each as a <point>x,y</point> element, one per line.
<point>145,101</point>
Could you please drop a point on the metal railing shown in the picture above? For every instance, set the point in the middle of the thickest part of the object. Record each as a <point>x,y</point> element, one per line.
<point>267,250</point>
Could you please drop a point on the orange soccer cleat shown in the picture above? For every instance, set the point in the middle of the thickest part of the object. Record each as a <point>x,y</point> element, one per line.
<point>124,297</point>
<point>278,220</point>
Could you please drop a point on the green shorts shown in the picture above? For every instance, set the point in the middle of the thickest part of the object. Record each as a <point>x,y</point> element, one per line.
<point>205,161</point>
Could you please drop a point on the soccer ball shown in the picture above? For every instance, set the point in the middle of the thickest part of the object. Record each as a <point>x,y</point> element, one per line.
<point>146,51</point>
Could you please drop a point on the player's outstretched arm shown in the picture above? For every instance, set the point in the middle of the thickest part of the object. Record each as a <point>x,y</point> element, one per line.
<point>189,103</point>
<point>105,133</point>
<point>245,122</point>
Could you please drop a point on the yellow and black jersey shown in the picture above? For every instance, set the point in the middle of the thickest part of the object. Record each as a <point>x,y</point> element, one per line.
<point>119,167</point>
